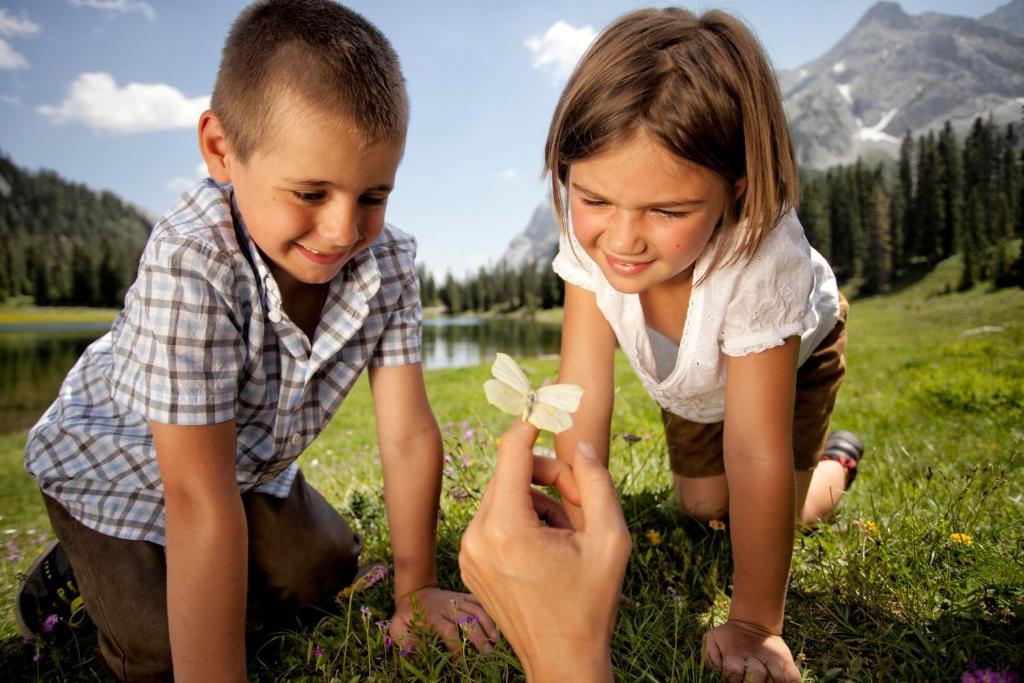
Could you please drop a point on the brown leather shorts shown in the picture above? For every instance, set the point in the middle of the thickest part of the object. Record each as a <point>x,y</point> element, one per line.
<point>695,449</point>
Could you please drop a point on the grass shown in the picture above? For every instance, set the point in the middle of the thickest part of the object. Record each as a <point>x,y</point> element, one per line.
<point>54,314</point>
<point>891,591</point>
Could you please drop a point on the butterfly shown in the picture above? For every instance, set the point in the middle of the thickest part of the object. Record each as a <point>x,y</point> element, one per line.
<point>546,408</point>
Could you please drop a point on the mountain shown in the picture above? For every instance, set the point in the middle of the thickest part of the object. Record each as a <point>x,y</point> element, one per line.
<point>895,72</point>
<point>1009,18</point>
<point>538,241</point>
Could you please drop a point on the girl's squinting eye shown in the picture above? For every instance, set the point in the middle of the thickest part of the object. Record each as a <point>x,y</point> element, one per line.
<point>593,202</point>
<point>371,200</point>
<point>671,214</point>
<point>309,196</point>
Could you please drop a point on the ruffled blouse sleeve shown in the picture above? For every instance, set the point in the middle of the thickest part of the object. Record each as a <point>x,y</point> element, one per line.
<point>572,263</point>
<point>771,300</point>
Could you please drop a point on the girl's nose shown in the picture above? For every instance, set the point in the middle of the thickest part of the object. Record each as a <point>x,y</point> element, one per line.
<point>623,233</point>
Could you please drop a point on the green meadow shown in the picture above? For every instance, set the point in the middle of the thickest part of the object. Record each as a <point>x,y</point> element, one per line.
<point>919,577</point>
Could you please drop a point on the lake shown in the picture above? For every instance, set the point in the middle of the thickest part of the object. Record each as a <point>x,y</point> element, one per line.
<point>35,358</point>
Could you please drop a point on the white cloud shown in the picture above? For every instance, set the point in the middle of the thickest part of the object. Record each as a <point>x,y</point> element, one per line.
<point>16,27</point>
<point>9,59</point>
<point>560,48</point>
<point>181,183</point>
<point>119,6</point>
<point>97,101</point>
<point>508,174</point>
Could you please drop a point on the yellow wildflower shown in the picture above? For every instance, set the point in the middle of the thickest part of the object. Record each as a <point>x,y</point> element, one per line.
<point>717,524</point>
<point>497,441</point>
<point>963,539</point>
<point>869,527</point>
<point>654,537</point>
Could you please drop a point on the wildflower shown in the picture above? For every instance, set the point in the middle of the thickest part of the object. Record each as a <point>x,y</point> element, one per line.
<point>447,458</point>
<point>315,462</point>
<point>388,642</point>
<point>448,472</point>
<point>869,527</point>
<point>365,611</point>
<point>459,493</point>
<point>318,651</point>
<point>654,537</point>
<point>37,656</point>
<point>50,623</point>
<point>464,425</point>
<point>717,524</point>
<point>469,434</point>
<point>962,539</point>
<point>466,462</point>
<point>977,675</point>
<point>13,551</point>
<point>446,427</point>
<point>497,441</point>
<point>467,619</point>
<point>377,574</point>
<point>406,650</point>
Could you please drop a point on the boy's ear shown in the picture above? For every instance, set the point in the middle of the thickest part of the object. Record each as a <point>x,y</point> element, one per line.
<point>213,145</point>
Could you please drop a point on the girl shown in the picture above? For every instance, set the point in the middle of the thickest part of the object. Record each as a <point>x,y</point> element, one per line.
<point>670,155</point>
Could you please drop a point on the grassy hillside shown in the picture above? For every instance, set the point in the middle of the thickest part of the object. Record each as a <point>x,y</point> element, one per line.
<point>919,576</point>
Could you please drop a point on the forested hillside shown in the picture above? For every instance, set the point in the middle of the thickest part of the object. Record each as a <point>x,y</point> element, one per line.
<point>64,244</point>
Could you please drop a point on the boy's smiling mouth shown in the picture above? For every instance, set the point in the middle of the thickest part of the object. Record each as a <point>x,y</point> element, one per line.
<point>322,258</point>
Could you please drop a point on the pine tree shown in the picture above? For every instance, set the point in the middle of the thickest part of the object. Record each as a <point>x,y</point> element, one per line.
<point>905,186</point>
<point>973,226</point>
<point>952,184</point>
<point>878,265</point>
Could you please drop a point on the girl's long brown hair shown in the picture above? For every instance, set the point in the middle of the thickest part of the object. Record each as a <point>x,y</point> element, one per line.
<point>705,89</point>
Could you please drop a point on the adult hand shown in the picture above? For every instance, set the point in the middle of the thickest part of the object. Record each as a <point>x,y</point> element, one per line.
<point>445,613</point>
<point>553,591</point>
<point>741,651</point>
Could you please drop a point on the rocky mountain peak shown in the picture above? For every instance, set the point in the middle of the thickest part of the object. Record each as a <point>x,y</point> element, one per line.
<point>888,14</point>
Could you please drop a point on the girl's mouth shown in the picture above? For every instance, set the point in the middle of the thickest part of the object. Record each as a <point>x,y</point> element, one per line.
<point>627,268</point>
<point>318,257</point>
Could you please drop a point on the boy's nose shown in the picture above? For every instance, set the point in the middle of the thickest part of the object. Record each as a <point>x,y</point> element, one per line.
<point>623,233</point>
<point>339,225</point>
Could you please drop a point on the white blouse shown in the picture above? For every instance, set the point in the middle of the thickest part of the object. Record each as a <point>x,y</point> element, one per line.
<point>786,289</point>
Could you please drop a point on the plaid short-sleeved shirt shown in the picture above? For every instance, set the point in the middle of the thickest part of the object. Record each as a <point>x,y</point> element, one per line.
<point>203,339</point>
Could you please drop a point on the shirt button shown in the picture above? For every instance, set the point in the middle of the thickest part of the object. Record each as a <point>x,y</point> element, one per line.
<point>296,439</point>
<point>275,316</point>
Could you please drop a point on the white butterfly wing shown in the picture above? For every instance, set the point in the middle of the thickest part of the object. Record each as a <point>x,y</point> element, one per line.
<point>548,417</point>
<point>505,398</point>
<point>507,371</point>
<point>562,396</point>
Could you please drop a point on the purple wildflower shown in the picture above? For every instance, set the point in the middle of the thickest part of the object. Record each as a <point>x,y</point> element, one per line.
<point>469,434</point>
<point>377,574</point>
<point>365,611</point>
<point>318,651</point>
<point>459,493</point>
<point>13,552</point>
<point>447,458</point>
<point>446,427</point>
<point>465,461</point>
<point>37,656</point>
<point>449,472</point>
<point>978,675</point>
<point>383,624</point>
<point>406,650</point>
<point>50,623</point>
<point>467,620</point>
<point>464,425</point>
<point>388,642</point>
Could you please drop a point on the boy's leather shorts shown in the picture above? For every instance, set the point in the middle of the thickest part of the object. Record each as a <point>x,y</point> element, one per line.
<point>695,449</point>
<point>301,553</point>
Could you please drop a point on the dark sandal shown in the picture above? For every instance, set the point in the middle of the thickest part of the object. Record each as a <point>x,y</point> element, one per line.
<point>846,449</point>
<point>48,601</point>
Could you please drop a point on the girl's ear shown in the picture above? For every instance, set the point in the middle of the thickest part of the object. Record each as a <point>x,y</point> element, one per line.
<point>213,145</point>
<point>739,187</point>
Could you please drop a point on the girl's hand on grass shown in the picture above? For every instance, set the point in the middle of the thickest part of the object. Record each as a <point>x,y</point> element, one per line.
<point>747,652</point>
<point>448,614</point>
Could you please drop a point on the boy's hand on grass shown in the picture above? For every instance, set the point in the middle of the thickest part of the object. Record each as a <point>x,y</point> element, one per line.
<point>448,614</point>
<point>747,652</point>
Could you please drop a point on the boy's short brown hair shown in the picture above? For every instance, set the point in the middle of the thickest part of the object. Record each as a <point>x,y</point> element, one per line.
<point>327,55</point>
<point>703,88</point>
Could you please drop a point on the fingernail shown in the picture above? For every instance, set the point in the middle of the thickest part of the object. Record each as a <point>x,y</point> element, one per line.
<point>587,451</point>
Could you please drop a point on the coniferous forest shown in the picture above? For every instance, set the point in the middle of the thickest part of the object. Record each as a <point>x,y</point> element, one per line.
<point>62,244</point>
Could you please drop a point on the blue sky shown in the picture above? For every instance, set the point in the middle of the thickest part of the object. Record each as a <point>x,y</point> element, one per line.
<point>107,92</point>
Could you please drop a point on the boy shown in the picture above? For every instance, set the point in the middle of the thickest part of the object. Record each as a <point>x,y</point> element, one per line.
<point>167,461</point>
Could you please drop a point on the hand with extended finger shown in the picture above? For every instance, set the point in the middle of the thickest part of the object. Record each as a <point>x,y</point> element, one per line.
<point>446,613</point>
<point>742,651</point>
<point>552,590</point>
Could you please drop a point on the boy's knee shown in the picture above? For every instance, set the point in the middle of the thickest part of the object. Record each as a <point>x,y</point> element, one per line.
<point>703,498</point>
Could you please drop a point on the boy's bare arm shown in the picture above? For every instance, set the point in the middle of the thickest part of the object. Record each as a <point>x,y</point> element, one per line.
<point>412,456</point>
<point>206,551</point>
